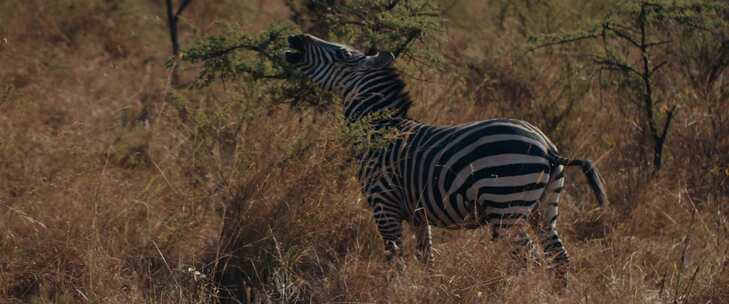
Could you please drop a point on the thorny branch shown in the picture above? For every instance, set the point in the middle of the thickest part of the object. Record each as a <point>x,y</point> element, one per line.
<point>404,46</point>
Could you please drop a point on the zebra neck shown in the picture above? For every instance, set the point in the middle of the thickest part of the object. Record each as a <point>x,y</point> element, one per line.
<point>376,96</point>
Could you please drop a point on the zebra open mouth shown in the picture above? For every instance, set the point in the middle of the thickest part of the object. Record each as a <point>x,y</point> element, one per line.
<point>296,42</point>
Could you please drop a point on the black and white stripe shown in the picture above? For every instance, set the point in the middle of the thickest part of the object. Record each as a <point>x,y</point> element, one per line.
<point>494,172</point>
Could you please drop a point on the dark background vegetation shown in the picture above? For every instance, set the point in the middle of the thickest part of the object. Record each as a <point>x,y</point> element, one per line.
<point>127,176</point>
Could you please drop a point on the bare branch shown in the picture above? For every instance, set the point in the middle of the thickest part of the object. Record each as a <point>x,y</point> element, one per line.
<point>622,27</point>
<point>616,65</point>
<point>260,48</point>
<point>622,34</point>
<point>655,68</point>
<point>652,44</point>
<point>565,41</point>
<point>182,7</point>
<point>661,140</point>
<point>667,124</point>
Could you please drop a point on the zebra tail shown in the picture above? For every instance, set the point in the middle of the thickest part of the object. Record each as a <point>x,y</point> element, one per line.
<point>593,177</point>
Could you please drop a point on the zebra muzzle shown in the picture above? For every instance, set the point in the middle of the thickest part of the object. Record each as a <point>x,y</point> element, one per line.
<point>293,57</point>
<point>296,42</point>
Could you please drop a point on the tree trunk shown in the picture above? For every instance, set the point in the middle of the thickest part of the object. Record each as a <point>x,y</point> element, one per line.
<point>172,18</point>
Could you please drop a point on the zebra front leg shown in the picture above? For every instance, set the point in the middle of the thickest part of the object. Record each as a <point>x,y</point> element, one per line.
<point>393,250</point>
<point>390,228</point>
<point>424,244</point>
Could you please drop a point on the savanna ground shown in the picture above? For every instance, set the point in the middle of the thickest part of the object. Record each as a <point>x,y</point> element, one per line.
<point>116,187</point>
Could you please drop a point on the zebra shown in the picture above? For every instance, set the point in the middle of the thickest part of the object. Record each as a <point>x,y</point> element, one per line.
<point>502,173</point>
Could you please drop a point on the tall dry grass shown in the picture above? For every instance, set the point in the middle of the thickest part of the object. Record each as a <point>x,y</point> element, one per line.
<point>115,188</point>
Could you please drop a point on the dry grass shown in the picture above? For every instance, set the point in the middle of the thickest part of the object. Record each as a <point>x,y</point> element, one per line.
<point>108,195</point>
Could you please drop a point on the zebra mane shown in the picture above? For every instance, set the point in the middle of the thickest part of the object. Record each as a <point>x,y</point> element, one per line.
<point>385,93</point>
<point>404,106</point>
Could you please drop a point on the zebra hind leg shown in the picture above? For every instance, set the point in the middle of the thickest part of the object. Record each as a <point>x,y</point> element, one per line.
<point>424,244</point>
<point>544,221</point>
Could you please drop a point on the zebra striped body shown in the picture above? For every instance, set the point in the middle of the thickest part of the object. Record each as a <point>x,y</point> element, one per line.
<point>461,176</point>
<point>494,172</point>
<point>490,172</point>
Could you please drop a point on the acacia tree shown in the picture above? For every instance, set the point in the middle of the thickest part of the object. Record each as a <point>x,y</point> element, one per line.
<point>637,40</point>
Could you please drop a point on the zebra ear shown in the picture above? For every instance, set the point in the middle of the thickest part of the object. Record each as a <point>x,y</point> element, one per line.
<point>382,59</point>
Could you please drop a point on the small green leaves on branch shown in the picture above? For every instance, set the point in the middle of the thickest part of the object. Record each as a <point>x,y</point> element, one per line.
<point>254,58</point>
<point>401,27</point>
<point>366,134</point>
<point>382,25</point>
<point>221,59</point>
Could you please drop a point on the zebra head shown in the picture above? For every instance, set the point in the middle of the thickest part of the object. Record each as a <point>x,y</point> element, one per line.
<point>369,83</point>
<point>331,65</point>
